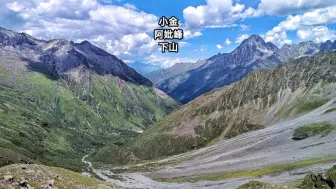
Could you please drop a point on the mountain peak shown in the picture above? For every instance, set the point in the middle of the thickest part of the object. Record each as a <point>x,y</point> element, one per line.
<point>254,38</point>
<point>85,43</point>
<point>329,41</point>
<point>11,38</point>
<point>255,41</point>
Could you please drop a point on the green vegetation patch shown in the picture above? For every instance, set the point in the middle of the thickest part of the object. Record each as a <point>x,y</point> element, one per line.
<point>309,106</point>
<point>320,181</point>
<point>301,107</point>
<point>163,145</point>
<point>306,131</point>
<point>145,167</point>
<point>251,173</point>
<point>259,185</point>
<point>330,110</point>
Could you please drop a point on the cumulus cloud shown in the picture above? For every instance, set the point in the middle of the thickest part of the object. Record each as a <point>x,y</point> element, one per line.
<point>317,34</point>
<point>219,46</point>
<point>285,7</point>
<point>127,45</point>
<point>241,38</point>
<point>307,26</point>
<point>227,42</point>
<point>216,13</point>
<point>121,30</point>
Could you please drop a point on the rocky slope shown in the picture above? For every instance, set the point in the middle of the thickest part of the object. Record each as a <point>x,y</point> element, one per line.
<point>59,100</point>
<point>39,176</point>
<point>320,181</point>
<point>223,69</point>
<point>261,98</point>
<point>311,181</point>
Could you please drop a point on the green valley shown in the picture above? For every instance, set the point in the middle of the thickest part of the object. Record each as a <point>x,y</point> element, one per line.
<point>56,119</point>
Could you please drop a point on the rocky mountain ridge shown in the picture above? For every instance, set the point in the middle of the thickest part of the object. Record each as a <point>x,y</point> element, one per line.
<point>60,56</point>
<point>161,75</point>
<point>223,69</point>
<point>261,98</point>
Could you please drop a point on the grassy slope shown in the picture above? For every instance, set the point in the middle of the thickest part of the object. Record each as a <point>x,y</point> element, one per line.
<point>314,129</point>
<point>288,90</point>
<point>38,176</point>
<point>259,185</point>
<point>56,122</point>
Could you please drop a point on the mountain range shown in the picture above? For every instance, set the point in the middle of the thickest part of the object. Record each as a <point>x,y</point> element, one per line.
<point>60,99</point>
<point>223,69</point>
<point>76,106</point>
<point>261,98</point>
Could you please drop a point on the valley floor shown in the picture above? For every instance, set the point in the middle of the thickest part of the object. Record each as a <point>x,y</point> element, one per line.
<point>268,155</point>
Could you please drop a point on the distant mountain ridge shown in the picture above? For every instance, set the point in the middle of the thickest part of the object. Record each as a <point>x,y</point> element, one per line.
<point>223,69</point>
<point>144,68</point>
<point>163,74</point>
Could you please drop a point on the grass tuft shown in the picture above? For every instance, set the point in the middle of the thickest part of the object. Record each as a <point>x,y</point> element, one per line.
<point>306,131</point>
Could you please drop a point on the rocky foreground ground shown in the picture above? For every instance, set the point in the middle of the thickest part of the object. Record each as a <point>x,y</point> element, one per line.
<point>39,176</point>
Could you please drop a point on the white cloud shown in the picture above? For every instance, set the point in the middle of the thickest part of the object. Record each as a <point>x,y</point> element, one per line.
<point>315,21</point>
<point>241,38</point>
<point>277,36</point>
<point>128,61</point>
<point>317,34</point>
<point>227,42</point>
<point>166,61</point>
<point>129,45</point>
<point>189,34</point>
<point>216,13</point>
<point>130,6</point>
<point>219,46</point>
<point>285,7</point>
<point>183,44</point>
<point>244,27</point>
<point>121,30</point>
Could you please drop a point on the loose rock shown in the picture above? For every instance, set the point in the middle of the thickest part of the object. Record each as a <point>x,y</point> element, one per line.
<point>8,178</point>
<point>24,183</point>
<point>51,182</point>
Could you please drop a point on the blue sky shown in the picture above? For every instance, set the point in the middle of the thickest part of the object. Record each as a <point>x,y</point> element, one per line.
<point>125,27</point>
